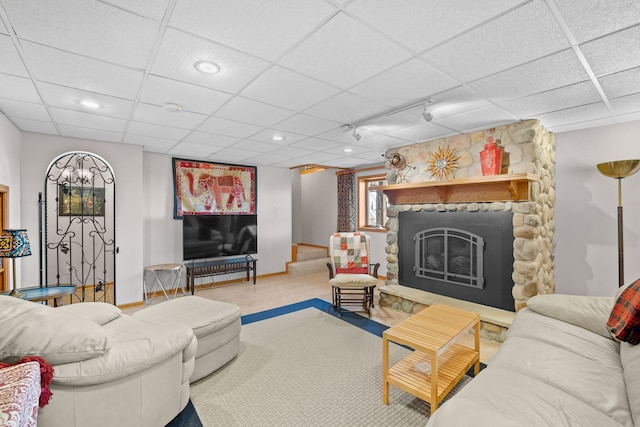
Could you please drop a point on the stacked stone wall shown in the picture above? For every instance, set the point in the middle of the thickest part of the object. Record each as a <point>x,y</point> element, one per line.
<point>527,148</point>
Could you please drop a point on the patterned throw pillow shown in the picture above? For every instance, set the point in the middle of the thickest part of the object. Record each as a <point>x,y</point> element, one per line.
<point>624,321</point>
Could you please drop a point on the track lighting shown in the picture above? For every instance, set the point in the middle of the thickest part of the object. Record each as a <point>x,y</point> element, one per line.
<point>356,135</point>
<point>427,115</point>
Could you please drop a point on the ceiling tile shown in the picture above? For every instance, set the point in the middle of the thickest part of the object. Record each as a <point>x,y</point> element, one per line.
<point>85,27</point>
<point>622,83</point>
<point>287,89</point>
<point>258,113</point>
<point>484,117</point>
<point>86,120</point>
<point>522,35</point>
<point>3,29</point>
<point>386,141</point>
<point>67,69</point>
<point>228,127</point>
<point>317,144</point>
<point>267,136</point>
<point>24,110</point>
<point>588,19</point>
<point>552,100</point>
<point>455,101</point>
<point>68,98</point>
<point>232,155</point>
<point>197,99</point>
<point>265,29</point>
<point>259,147</point>
<point>344,52</point>
<point>88,133</point>
<point>205,138</point>
<point>626,104</point>
<point>405,83</point>
<point>392,122</point>
<point>345,134</point>
<point>573,115</point>
<point>27,125</point>
<point>205,149</point>
<point>267,159</point>
<point>18,88</point>
<point>346,108</point>
<point>422,24</point>
<point>158,131</point>
<point>156,114</point>
<point>154,9</point>
<point>560,69</point>
<point>292,152</point>
<point>583,125</point>
<point>422,132</point>
<point>179,52</point>
<point>306,125</point>
<point>613,53</point>
<point>318,158</point>
<point>159,144</point>
<point>11,62</point>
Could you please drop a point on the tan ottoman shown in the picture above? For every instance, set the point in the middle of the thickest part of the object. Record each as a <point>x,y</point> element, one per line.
<point>215,324</point>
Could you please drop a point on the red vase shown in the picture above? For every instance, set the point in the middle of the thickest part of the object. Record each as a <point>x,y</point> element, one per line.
<point>491,159</point>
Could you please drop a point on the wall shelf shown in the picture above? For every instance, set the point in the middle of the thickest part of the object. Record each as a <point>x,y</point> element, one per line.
<point>494,188</point>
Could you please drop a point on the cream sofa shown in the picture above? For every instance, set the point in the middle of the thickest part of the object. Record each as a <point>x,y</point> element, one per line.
<point>110,369</point>
<point>558,367</point>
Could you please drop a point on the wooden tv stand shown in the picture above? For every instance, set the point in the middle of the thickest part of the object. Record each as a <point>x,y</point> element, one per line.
<point>220,266</point>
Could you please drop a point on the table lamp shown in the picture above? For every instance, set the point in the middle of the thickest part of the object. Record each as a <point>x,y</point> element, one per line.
<point>14,244</point>
<point>618,170</point>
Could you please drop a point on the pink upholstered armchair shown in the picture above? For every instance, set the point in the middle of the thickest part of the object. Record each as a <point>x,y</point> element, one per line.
<point>351,276</point>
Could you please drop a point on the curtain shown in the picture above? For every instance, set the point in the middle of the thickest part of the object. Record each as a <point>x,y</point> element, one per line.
<point>347,208</point>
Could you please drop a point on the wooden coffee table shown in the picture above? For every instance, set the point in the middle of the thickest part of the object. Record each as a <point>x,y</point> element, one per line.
<point>432,334</point>
<point>46,293</point>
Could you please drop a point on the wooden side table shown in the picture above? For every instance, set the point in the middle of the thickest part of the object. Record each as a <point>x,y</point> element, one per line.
<point>432,333</point>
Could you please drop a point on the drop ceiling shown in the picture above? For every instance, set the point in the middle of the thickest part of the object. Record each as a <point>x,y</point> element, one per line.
<point>305,70</point>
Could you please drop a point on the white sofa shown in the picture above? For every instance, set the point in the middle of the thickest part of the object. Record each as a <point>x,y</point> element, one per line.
<point>559,366</point>
<point>110,369</point>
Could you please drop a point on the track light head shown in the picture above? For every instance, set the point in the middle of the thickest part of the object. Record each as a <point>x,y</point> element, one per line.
<point>356,135</point>
<point>427,115</point>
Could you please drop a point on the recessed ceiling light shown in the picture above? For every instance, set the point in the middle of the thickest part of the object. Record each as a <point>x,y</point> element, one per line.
<point>207,67</point>
<point>348,150</point>
<point>89,104</point>
<point>278,138</point>
<point>172,108</point>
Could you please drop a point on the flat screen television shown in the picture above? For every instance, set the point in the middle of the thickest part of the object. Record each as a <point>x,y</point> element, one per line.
<point>211,236</point>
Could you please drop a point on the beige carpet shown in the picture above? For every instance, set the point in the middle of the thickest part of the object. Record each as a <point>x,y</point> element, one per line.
<point>306,368</point>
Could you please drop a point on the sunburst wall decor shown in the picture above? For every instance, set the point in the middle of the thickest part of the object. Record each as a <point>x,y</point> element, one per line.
<point>443,163</point>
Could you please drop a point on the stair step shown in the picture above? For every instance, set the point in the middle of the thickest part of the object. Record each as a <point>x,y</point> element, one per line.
<point>310,252</point>
<point>309,266</point>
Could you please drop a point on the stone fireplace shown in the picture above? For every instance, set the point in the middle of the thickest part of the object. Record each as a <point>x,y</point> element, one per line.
<point>524,190</point>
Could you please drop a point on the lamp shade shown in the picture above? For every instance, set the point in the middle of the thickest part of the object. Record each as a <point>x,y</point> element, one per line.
<point>619,169</point>
<point>14,244</point>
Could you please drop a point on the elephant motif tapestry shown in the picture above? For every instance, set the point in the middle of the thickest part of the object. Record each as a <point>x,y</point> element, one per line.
<point>204,188</point>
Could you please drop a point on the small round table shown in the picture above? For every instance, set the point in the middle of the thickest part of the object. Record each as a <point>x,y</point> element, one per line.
<point>161,268</point>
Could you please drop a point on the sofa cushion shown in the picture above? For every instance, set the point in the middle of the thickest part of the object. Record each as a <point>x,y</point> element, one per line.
<point>630,358</point>
<point>97,312</point>
<point>31,329</point>
<point>137,345</point>
<point>587,312</point>
<point>624,320</point>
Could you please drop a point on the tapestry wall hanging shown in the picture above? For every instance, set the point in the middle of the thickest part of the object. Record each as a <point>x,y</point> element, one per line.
<point>204,188</point>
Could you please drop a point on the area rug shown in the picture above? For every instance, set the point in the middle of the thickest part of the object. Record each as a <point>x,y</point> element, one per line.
<point>301,365</point>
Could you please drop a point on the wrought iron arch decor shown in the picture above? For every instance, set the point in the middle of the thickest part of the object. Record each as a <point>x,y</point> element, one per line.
<point>79,226</point>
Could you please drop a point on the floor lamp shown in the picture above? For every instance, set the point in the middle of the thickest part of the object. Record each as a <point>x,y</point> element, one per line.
<point>14,244</point>
<point>618,170</point>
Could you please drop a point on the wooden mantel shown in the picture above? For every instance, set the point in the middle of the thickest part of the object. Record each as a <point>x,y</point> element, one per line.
<point>494,188</point>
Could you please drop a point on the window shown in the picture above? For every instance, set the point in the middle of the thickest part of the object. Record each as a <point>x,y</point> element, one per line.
<point>372,203</point>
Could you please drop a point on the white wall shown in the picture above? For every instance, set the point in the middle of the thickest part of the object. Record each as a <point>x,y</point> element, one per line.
<point>10,138</point>
<point>319,206</point>
<point>38,150</point>
<point>586,242</point>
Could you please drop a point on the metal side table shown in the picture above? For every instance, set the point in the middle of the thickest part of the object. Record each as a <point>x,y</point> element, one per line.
<point>175,269</point>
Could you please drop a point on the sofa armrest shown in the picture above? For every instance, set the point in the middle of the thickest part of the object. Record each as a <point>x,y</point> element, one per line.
<point>588,312</point>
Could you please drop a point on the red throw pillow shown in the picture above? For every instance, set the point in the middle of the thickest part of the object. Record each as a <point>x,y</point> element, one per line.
<point>624,321</point>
